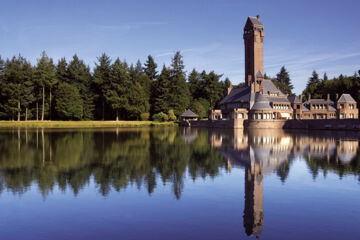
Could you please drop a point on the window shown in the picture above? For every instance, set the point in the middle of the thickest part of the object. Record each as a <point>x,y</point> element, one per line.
<point>342,116</point>
<point>351,106</point>
<point>240,115</point>
<point>341,106</point>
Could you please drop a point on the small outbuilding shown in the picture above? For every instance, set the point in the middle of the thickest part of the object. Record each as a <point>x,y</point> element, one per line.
<point>189,115</point>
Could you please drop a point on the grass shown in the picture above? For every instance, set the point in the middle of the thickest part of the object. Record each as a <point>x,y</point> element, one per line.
<point>82,124</point>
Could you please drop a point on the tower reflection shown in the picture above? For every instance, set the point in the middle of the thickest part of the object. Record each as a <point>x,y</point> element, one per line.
<point>261,152</point>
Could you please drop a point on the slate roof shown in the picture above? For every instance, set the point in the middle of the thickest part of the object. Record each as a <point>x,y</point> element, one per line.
<point>345,98</point>
<point>319,101</point>
<point>189,113</point>
<point>261,103</point>
<point>243,94</point>
<point>294,99</point>
<point>240,94</point>
<point>270,87</point>
<point>278,99</point>
<point>255,21</point>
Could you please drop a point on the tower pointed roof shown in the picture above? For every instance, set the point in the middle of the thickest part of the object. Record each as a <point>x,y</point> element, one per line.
<point>254,20</point>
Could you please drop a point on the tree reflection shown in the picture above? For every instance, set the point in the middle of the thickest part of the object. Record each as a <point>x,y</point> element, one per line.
<point>113,158</point>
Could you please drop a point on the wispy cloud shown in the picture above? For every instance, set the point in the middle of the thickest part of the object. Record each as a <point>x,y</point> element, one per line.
<point>200,50</point>
<point>117,27</point>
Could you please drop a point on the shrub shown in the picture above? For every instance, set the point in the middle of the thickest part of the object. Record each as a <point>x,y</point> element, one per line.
<point>160,117</point>
<point>145,116</point>
<point>171,115</point>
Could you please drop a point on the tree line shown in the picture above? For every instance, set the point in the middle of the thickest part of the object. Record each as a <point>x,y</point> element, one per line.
<point>113,90</point>
<point>319,87</point>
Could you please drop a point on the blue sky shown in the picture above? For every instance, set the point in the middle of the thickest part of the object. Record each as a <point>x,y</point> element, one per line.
<point>301,35</point>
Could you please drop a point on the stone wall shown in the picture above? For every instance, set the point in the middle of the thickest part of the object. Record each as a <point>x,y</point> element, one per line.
<point>323,124</point>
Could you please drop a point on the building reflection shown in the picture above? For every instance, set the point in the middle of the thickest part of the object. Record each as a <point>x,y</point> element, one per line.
<point>261,152</point>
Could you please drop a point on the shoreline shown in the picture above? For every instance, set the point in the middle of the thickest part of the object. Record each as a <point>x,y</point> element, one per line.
<point>82,124</point>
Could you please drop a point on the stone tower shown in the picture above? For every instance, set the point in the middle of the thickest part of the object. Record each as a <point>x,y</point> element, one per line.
<point>254,60</point>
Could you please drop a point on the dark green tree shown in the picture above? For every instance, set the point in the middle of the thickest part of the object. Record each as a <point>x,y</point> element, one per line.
<point>79,76</point>
<point>150,68</point>
<point>117,95</point>
<point>195,85</point>
<point>45,78</point>
<point>161,92</point>
<point>102,75</point>
<point>312,86</point>
<point>284,82</point>
<point>213,91</point>
<point>179,99</point>
<point>137,101</point>
<point>69,103</point>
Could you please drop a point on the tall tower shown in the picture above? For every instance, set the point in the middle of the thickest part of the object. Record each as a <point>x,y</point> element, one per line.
<point>254,60</point>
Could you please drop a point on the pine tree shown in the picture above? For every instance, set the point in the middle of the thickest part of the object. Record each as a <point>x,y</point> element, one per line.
<point>137,101</point>
<point>79,76</point>
<point>61,71</point>
<point>27,88</point>
<point>161,92</point>
<point>68,104</point>
<point>312,85</point>
<point>179,99</point>
<point>11,90</point>
<point>117,94</point>
<point>195,86</point>
<point>102,74</point>
<point>150,68</point>
<point>45,77</point>
<point>212,89</point>
<point>2,86</point>
<point>283,81</point>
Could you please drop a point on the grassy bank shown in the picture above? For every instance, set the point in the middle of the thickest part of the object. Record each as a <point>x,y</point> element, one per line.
<point>81,124</point>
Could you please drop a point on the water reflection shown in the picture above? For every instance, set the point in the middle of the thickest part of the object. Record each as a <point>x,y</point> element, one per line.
<point>117,158</point>
<point>262,152</point>
<point>114,158</point>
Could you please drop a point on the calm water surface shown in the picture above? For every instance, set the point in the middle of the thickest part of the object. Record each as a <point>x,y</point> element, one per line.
<point>176,183</point>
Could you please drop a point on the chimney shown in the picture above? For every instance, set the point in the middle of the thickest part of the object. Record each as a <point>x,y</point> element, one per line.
<point>328,96</point>
<point>300,97</point>
<point>309,97</point>
<point>230,88</point>
<point>336,97</point>
<point>258,17</point>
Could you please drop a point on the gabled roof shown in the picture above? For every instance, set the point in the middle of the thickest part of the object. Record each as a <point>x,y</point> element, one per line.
<point>345,98</point>
<point>254,21</point>
<point>319,100</point>
<point>261,103</point>
<point>277,99</point>
<point>294,99</point>
<point>189,113</point>
<point>239,94</point>
<point>270,87</point>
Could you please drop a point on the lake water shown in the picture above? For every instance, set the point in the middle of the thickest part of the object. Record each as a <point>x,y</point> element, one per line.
<point>178,183</point>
